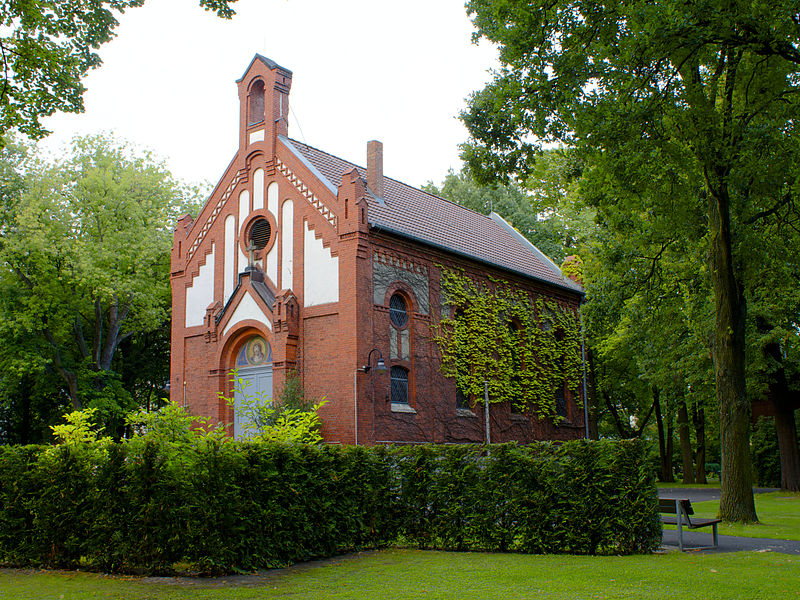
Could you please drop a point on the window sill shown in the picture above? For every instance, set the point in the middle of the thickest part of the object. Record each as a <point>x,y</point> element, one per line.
<point>400,407</point>
<point>464,412</point>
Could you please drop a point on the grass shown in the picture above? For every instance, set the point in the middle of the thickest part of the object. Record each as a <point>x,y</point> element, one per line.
<point>675,484</point>
<point>409,574</point>
<point>778,513</point>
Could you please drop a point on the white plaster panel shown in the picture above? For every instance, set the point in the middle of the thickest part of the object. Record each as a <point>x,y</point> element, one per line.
<point>201,293</point>
<point>244,207</point>
<point>287,246</point>
<point>272,264</point>
<point>257,136</point>
<point>229,257</point>
<point>321,271</point>
<point>272,199</point>
<point>246,310</point>
<point>258,189</point>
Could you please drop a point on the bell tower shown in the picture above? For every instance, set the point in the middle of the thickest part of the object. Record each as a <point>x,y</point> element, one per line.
<point>263,105</point>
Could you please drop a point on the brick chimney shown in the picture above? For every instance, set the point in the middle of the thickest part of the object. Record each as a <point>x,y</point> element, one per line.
<point>375,167</point>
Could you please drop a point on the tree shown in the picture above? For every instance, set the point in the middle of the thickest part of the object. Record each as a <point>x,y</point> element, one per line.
<point>47,47</point>
<point>714,84</point>
<point>85,268</point>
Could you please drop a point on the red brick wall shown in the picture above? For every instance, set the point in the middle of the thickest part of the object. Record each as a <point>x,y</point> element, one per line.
<point>328,344</point>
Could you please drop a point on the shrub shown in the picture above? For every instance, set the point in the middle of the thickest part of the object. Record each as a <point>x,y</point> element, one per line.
<point>222,506</point>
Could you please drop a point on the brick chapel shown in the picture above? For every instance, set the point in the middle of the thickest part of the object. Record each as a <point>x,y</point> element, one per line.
<point>302,261</point>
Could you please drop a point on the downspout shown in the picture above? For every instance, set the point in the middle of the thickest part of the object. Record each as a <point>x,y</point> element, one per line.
<point>355,405</point>
<point>583,357</point>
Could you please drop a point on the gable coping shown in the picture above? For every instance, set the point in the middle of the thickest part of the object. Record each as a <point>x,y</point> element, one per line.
<point>214,214</point>
<point>305,192</point>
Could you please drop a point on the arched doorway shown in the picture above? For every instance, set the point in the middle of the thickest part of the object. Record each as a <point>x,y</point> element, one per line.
<point>254,383</point>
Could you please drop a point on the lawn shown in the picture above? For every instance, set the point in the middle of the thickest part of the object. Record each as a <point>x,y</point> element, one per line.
<point>778,513</point>
<point>408,574</point>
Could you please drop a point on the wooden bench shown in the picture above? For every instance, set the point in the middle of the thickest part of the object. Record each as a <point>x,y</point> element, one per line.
<point>682,509</point>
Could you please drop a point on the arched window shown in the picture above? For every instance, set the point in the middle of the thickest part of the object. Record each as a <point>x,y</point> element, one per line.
<point>399,391</point>
<point>398,311</point>
<point>255,106</point>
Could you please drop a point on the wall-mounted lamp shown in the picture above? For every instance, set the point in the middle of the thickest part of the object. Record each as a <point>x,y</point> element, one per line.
<point>380,367</point>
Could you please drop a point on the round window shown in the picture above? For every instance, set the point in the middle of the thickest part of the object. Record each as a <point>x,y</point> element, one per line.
<point>398,312</point>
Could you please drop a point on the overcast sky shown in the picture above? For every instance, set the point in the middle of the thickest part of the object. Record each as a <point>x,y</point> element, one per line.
<point>396,71</point>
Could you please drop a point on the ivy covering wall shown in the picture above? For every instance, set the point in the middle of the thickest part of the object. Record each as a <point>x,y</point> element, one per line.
<point>222,506</point>
<point>526,348</point>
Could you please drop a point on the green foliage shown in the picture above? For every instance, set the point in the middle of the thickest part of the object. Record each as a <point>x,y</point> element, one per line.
<point>692,101</point>
<point>524,348</point>
<point>80,429</point>
<point>172,427</point>
<point>220,507</point>
<point>86,245</point>
<point>48,47</point>
<point>294,419</point>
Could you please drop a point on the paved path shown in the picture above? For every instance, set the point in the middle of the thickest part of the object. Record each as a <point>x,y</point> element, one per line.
<point>727,543</point>
<point>701,494</point>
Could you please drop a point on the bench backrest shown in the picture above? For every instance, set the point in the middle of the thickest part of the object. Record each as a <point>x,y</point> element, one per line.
<point>670,505</point>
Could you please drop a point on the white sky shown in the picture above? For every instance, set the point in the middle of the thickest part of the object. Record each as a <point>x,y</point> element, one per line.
<point>396,71</point>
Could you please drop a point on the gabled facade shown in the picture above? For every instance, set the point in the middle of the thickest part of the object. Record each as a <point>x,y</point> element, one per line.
<point>302,261</point>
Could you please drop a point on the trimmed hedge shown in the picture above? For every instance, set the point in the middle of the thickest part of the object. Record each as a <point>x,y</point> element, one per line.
<point>226,506</point>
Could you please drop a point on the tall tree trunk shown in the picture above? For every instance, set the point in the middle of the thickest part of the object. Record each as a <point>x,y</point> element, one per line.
<point>786,428</point>
<point>670,444</point>
<point>699,420</point>
<point>69,377</point>
<point>784,406</point>
<point>736,498</point>
<point>666,466</point>
<point>686,442</point>
<point>623,429</point>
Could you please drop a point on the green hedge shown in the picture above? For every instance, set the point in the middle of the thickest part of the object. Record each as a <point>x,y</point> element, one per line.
<point>224,506</point>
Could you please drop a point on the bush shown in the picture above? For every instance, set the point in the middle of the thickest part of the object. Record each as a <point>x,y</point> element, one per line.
<point>221,506</point>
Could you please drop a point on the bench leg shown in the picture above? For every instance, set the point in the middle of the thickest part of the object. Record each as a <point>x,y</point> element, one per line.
<point>679,515</point>
<point>714,533</point>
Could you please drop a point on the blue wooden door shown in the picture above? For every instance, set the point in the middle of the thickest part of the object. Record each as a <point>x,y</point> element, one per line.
<point>254,387</point>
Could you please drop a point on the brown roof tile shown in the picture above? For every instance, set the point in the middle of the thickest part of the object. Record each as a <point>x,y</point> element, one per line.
<point>421,216</point>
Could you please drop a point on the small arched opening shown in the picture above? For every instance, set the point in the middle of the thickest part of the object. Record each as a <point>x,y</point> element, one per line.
<point>255,104</point>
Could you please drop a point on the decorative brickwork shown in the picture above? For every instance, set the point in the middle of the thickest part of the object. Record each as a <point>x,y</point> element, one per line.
<point>201,235</point>
<point>307,193</point>
<point>387,239</point>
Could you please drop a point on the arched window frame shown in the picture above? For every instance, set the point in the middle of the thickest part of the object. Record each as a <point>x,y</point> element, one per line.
<point>407,328</point>
<point>256,103</point>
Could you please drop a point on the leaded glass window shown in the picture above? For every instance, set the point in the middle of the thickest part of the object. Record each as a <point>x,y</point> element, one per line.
<point>399,391</point>
<point>398,311</point>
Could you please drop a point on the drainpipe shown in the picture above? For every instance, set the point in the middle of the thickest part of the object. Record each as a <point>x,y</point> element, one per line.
<point>585,397</point>
<point>486,410</point>
<point>355,405</point>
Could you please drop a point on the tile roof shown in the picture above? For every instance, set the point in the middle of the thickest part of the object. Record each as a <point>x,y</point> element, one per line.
<point>418,215</point>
